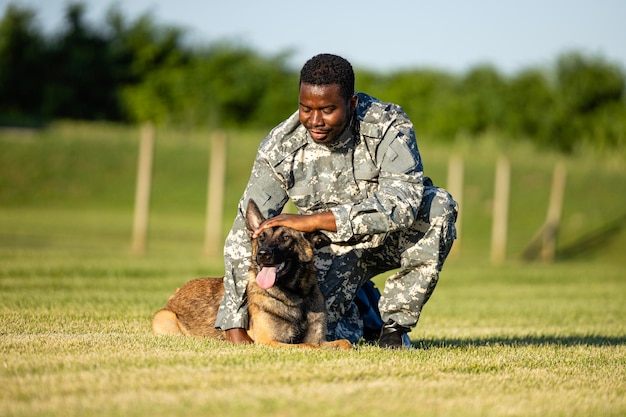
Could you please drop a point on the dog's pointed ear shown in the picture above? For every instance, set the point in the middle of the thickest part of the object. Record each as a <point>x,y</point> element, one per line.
<point>318,239</point>
<point>254,218</point>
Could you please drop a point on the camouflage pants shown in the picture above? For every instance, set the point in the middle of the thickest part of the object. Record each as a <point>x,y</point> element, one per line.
<point>418,253</point>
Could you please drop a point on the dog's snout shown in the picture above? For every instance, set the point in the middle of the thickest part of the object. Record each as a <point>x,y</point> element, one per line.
<point>265,256</point>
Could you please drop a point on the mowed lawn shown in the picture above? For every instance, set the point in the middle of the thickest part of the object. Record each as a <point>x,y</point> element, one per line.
<point>515,339</point>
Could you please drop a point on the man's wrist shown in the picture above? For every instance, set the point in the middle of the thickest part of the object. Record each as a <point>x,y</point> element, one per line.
<point>325,221</point>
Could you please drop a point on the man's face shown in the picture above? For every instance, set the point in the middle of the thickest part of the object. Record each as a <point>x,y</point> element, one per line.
<point>323,112</point>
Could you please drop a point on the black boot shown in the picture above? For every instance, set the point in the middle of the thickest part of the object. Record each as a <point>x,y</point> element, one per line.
<point>394,336</point>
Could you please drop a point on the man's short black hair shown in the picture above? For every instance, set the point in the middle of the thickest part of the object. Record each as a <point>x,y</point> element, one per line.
<point>326,69</point>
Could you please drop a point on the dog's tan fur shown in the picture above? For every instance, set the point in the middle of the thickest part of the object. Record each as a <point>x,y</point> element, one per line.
<point>289,314</point>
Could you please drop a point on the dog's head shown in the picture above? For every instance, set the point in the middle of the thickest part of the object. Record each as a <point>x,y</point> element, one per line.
<point>279,252</point>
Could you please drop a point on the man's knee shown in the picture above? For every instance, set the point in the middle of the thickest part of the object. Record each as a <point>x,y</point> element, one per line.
<point>445,213</point>
<point>442,206</point>
<point>437,218</point>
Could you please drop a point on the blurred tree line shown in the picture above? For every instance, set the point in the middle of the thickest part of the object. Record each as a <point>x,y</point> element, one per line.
<point>134,71</point>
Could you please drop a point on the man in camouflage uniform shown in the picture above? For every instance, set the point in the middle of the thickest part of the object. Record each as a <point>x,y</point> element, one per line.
<point>351,166</point>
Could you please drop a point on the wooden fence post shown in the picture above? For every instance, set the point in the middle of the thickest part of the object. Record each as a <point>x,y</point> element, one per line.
<point>142,191</point>
<point>455,187</point>
<point>548,250</point>
<point>215,195</point>
<point>543,243</point>
<point>500,210</point>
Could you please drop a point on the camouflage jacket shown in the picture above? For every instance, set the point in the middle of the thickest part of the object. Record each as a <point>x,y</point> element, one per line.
<point>370,178</point>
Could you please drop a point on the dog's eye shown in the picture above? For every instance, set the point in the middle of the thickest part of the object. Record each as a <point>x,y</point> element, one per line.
<point>286,238</point>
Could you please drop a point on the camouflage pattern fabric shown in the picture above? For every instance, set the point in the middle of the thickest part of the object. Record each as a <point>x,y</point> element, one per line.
<point>418,253</point>
<point>372,180</point>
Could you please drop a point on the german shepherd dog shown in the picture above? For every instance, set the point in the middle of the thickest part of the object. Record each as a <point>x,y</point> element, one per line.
<point>285,304</point>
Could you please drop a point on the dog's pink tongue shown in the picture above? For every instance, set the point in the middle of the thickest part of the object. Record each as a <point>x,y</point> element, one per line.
<point>266,277</point>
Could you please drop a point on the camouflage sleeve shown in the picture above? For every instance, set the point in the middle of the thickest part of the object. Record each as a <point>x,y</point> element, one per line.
<point>267,191</point>
<point>395,202</point>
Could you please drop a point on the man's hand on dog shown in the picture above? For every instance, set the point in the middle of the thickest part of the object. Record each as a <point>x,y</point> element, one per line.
<point>302,222</point>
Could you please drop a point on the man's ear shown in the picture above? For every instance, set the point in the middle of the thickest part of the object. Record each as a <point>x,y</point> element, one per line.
<point>318,239</point>
<point>354,101</point>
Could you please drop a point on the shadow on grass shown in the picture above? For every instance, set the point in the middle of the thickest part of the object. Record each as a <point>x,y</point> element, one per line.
<point>590,340</point>
<point>594,241</point>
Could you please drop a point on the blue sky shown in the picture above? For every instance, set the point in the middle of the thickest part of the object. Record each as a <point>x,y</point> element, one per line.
<point>384,35</point>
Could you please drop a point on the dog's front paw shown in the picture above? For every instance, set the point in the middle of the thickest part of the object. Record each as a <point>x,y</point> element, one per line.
<point>341,344</point>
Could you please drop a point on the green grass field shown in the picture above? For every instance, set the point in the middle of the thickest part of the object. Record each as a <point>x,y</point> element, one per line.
<point>518,339</point>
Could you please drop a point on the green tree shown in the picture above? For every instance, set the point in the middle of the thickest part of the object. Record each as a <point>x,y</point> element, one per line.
<point>79,83</point>
<point>481,92</point>
<point>148,60</point>
<point>529,100</point>
<point>142,46</point>
<point>22,51</point>
<point>589,92</point>
<point>222,86</point>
